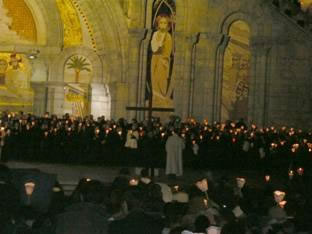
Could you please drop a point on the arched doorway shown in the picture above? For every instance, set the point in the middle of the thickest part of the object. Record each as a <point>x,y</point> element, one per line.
<point>236,73</point>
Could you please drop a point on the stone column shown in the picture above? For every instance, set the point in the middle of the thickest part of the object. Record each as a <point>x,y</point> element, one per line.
<point>135,39</point>
<point>143,72</point>
<point>182,73</point>
<point>40,98</point>
<point>207,75</point>
<point>217,87</point>
<point>191,40</point>
<point>259,82</point>
<point>119,96</point>
<point>100,101</point>
<point>55,97</point>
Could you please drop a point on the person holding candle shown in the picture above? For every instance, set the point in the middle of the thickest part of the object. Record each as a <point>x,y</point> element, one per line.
<point>278,212</point>
<point>243,194</point>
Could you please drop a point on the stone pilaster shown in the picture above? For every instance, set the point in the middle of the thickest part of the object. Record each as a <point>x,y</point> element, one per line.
<point>182,74</point>
<point>208,75</point>
<point>40,97</point>
<point>188,81</point>
<point>100,101</point>
<point>134,82</point>
<point>55,98</point>
<point>259,82</point>
<point>119,97</point>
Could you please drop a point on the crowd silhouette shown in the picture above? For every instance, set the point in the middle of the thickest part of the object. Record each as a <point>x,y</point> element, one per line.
<point>33,202</point>
<point>233,144</point>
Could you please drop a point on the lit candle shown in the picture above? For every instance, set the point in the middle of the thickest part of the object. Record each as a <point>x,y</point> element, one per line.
<point>267,178</point>
<point>291,174</point>
<point>206,202</point>
<point>282,204</point>
<point>240,182</point>
<point>300,171</point>
<point>29,188</point>
<point>279,196</point>
<point>133,182</point>
<point>176,188</point>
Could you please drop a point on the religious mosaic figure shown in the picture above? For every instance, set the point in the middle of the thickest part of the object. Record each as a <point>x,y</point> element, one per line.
<point>161,45</point>
<point>3,69</point>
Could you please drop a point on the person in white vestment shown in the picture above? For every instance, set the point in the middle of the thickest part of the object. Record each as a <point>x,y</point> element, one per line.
<point>174,148</point>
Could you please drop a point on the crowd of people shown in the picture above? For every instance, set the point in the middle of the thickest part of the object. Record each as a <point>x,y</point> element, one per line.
<point>34,203</point>
<point>226,145</point>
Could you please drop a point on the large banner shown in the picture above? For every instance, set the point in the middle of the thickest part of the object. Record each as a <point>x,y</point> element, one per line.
<point>160,86</point>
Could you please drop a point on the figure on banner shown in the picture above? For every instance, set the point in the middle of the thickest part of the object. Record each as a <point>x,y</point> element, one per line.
<point>161,45</point>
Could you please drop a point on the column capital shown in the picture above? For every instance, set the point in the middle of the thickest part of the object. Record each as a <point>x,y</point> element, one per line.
<point>260,42</point>
<point>211,36</point>
<point>138,33</point>
<point>55,84</point>
<point>36,85</point>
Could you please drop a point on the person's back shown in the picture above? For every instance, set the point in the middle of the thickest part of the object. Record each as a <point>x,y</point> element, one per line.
<point>82,218</point>
<point>136,221</point>
<point>87,216</point>
<point>174,148</point>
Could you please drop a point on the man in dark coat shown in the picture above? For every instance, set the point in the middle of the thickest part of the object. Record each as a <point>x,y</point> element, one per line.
<point>87,216</point>
<point>9,198</point>
<point>136,221</point>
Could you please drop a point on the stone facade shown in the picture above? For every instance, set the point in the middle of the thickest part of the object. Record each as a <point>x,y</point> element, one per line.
<point>280,65</point>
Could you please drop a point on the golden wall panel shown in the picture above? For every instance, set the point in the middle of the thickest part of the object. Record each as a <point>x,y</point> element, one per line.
<point>22,20</point>
<point>71,23</point>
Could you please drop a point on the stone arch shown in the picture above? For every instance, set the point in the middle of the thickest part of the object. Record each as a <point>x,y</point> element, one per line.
<point>256,31</point>
<point>45,18</point>
<point>226,23</point>
<point>110,31</point>
<point>181,10</point>
<point>57,69</point>
<point>236,73</point>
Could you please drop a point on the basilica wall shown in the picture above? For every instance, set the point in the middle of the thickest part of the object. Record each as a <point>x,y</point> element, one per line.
<point>207,59</point>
